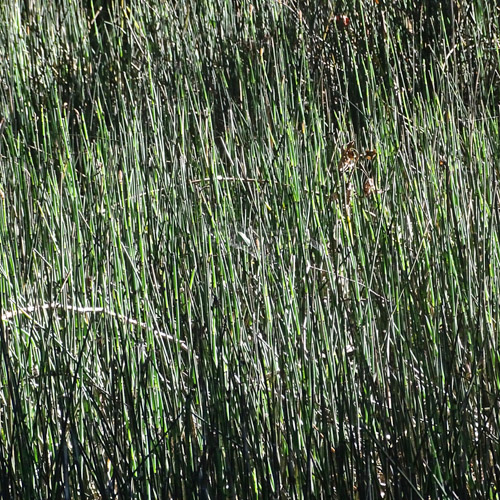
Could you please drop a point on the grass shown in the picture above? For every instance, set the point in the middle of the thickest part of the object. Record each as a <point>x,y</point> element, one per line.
<point>197,301</point>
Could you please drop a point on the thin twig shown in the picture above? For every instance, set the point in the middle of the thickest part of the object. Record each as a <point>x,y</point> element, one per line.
<point>228,179</point>
<point>56,306</point>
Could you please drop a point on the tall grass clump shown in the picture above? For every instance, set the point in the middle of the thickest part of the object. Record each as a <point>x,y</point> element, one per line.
<point>249,249</point>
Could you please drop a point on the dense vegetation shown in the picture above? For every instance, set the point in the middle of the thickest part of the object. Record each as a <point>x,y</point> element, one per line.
<point>249,249</point>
